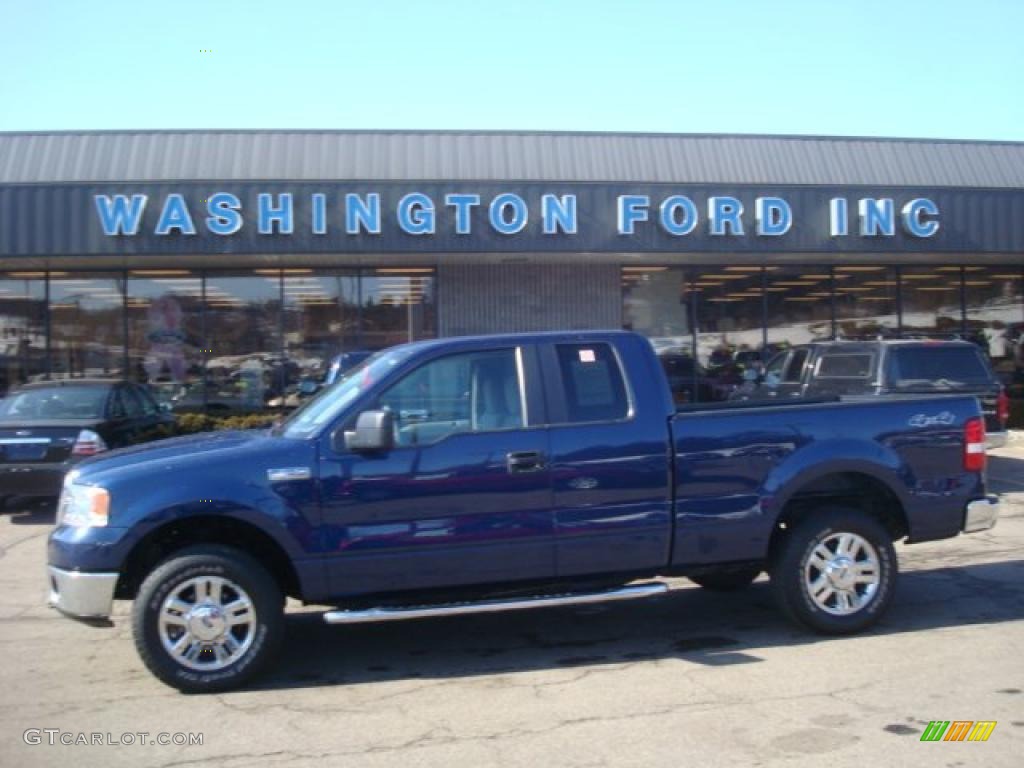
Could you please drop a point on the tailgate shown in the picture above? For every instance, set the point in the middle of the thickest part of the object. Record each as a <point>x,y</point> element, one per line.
<point>43,444</point>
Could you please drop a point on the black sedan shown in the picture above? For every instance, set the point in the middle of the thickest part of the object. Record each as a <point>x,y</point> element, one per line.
<point>48,426</point>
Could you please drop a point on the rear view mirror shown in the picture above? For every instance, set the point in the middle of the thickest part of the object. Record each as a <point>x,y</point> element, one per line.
<point>374,433</point>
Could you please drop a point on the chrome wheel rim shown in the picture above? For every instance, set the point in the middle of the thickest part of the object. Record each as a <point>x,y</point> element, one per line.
<point>842,574</point>
<point>207,623</point>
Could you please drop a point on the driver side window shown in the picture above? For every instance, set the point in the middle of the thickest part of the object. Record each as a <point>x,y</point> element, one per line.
<point>470,392</point>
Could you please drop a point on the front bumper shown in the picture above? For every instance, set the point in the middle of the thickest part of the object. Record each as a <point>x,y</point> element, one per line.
<point>82,595</point>
<point>981,514</point>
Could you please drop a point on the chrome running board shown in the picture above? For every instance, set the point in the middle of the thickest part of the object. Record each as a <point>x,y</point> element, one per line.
<point>494,606</point>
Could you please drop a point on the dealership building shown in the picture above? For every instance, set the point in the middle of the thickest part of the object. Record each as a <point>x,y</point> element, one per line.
<point>202,262</point>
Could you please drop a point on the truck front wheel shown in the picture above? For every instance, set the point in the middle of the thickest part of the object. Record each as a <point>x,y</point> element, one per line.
<point>207,619</point>
<point>835,572</point>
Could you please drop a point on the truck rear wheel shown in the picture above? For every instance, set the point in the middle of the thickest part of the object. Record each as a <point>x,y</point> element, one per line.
<point>836,571</point>
<point>726,581</point>
<point>208,619</point>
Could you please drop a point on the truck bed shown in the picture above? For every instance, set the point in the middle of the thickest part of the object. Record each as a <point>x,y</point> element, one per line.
<point>737,464</point>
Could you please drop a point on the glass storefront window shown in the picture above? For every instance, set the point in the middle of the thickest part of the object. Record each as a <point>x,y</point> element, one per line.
<point>657,303</point>
<point>930,298</point>
<point>865,301</point>
<point>321,320</point>
<point>799,302</point>
<point>244,367</point>
<point>994,303</point>
<point>398,305</point>
<point>165,332</point>
<point>87,325</point>
<point>730,326</point>
<point>22,328</point>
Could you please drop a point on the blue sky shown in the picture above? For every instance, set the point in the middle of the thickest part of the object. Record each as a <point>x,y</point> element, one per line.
<point>938,68</point>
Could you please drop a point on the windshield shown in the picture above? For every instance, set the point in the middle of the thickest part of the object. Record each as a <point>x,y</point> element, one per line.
<point>938,368</point>
<point>56,403</point>
<point>331,401</point>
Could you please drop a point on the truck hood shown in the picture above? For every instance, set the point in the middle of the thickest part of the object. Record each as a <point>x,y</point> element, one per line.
<point>201,448</point>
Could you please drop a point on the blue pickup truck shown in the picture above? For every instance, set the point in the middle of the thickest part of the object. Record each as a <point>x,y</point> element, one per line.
<point>500,473</point>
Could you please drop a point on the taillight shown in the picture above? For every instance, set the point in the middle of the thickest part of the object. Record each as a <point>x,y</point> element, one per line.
<point>974,445</point>
<point>1003,408</point>
<point>88,443</point>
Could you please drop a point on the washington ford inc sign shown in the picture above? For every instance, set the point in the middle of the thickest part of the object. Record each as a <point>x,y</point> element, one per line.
<point>504,214</point>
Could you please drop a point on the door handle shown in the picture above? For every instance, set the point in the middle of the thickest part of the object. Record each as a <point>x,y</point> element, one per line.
<point>524,461</point>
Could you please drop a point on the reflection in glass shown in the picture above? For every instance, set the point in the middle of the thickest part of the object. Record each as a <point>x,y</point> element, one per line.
<point>656,304</point>
<point>87,325</point>
<point>865,301</point>
<point>730,325</point>
<point>165,331</point>
<point>398,305</point>
<point>799,301</point>
<point>22,328</point>
<point>244,368</point>
<point>321,321</point>
<point>930,302</point>
<point>994,299</point>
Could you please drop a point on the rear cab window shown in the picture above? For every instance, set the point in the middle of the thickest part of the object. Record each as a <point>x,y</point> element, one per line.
<point>592,383</point>
<point>937,367</point>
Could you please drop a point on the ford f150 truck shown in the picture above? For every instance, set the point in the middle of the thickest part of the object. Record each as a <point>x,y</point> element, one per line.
<point>500,473</point>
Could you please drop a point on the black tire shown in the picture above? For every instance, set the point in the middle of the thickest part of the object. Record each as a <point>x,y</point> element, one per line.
<point>727,580</point>
<point>239,569</point>
<point>790,577</point>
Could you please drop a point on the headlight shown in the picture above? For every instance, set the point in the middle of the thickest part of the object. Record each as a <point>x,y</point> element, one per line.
<point>83,505</point>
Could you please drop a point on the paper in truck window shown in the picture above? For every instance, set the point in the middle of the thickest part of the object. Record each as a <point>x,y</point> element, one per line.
<point>587,356</point>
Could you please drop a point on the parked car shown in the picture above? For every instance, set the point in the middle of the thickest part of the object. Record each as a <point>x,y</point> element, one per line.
<point>502,473</point>
<point>886,368</point>
<point>48,427</point>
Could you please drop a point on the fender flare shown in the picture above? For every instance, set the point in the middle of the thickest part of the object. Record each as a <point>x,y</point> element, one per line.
<point>877,462</point>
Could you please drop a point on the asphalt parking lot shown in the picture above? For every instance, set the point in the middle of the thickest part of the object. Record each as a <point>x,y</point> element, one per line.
<point>692,678</point>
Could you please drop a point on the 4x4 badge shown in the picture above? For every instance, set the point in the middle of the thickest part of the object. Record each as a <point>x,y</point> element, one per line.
<point>921,420</point>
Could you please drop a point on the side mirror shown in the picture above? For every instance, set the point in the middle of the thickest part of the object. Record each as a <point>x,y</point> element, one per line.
<point>308,387</point>
<point>165,407</point>
<point>374,433</point>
